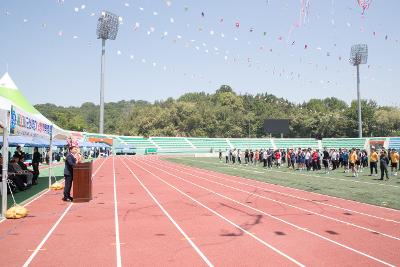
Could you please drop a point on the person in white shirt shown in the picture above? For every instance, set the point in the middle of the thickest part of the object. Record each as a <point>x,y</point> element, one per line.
<point>234,155</point>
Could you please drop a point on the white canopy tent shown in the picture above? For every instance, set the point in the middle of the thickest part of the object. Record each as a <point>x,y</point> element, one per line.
<point>12,99</point>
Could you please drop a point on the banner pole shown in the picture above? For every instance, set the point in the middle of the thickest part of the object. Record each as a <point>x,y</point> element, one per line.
<point>5,165</point>
<point>50,158</point>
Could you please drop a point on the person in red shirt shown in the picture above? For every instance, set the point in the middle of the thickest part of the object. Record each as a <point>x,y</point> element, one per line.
<point>288,157</point>
<point>315,160</point>
<point>278,158</point>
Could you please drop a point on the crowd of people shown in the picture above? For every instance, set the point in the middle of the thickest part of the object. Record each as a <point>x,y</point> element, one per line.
<point>21,176</point>
<point>348,160</point>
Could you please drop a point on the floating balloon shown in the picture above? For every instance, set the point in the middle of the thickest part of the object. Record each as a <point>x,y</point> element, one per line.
<point>364,4</point>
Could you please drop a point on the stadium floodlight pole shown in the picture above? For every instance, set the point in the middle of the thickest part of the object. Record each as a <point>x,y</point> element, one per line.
<point>107,29</point>
<point>359,55</point>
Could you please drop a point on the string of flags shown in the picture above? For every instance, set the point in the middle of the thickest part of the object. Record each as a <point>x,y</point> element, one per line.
<point>227,54</point>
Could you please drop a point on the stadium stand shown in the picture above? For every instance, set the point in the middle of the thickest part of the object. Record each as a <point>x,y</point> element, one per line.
<point>137,142</point>
<point>183,145</point>
<point>209,143</point>
<point>295,143</point>
<point>394,142</point>
<point>171,142</point>
<point>344,143</point>
<point>254,143</point>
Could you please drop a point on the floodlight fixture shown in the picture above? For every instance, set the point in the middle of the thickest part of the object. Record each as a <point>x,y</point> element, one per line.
<point>359,55</point>
<point>107,26</point>
<point>107,29</point>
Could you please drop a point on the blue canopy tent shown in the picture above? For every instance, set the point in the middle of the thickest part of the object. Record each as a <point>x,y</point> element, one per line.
<point>39,142</point>
<point>59,143</point>
<point>18,140</point>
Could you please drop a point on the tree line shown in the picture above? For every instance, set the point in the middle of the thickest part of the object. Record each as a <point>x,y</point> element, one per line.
<point>227,114</point>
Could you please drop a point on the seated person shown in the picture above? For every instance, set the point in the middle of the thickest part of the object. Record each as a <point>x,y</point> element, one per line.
<point>17,179</point>
<point>19,153</point>
<point>24,168</point>
<point>16,168</point>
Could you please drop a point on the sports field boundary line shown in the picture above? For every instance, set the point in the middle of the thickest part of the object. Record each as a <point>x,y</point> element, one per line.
<point>206,172</point>
<point>47,236</point>
<point>287,187</point>
<point>274,217</point>
<point>224,218</point>
<point>194,246</point>
<point>38,195</point>
<point>116,221</point>
<point>304,174</point>
<point>286,204</point>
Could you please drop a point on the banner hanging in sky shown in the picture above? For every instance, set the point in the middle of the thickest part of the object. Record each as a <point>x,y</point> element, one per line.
<point>22,123</point>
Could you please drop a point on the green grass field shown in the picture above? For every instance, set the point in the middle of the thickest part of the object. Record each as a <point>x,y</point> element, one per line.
<point>366,189</point>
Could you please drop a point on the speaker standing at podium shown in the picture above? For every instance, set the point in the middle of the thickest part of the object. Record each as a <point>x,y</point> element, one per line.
<point>70,162</point>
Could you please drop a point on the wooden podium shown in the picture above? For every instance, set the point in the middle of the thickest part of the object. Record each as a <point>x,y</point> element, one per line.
<point>82,185</point>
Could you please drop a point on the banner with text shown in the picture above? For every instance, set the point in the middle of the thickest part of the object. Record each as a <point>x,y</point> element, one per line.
<point>25,124</point>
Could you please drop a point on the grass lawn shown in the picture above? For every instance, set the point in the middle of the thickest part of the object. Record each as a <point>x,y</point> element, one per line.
<point>366,189</point>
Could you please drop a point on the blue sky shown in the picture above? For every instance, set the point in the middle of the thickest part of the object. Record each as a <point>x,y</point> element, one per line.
<point>52,53</point>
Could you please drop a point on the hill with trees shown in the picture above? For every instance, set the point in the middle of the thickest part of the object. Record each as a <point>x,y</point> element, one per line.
<point>227,114</point>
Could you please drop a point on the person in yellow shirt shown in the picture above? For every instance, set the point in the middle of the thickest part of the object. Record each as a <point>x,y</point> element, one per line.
<point>394,158</point>
<point>373,162</point>
<point>353,160</point>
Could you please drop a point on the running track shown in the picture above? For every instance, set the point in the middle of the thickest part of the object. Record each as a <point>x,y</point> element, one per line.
<point>149,212</point>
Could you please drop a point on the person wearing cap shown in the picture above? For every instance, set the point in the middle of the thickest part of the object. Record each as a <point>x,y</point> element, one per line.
<point>394,158</point>
<point>373,162</point>
<point>70,162</point>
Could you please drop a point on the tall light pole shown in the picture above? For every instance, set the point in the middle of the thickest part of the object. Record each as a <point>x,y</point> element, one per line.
<point>359,55</point>
<point>107,29</point>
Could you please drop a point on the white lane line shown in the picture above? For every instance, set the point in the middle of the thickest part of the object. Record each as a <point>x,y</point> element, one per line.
<point>286,187</point>
<point>317,176</point>
<point>39,247</point>
<point>274,217</point>
<point>224,218</point>
<point>284,203</point>
<point>44,193</point>
<point>187,238</point>
<point>270,190</point>
<point>117,240</point>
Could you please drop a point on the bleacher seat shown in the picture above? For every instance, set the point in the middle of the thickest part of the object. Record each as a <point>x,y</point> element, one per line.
<point>348,143</point>
<point>394,142</point>
<point>171,142</point>
<point>253,143</point>
<point>137,142</point>
<point>209,143</point>
<point>295,143</point>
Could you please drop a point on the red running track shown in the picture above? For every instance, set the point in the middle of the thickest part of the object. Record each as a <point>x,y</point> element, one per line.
<point>148,212</point>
